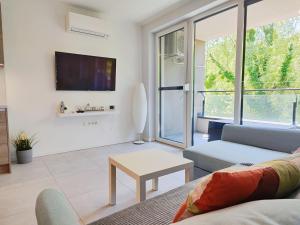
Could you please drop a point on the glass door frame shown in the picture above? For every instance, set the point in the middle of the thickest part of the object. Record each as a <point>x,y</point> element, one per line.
<point>193,22</point>
<point>240,4</point>
<point>189,27</point>
<point>181,87</point>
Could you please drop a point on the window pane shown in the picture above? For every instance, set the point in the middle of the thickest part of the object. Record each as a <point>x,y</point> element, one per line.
<point>272,62</point>
<point>172,59</point>
<point>274,107</point>
<point>214,71</point>
<point>172,73</point>
<point>215,54</point>
<point>172,115</point>
<point>219,105</point>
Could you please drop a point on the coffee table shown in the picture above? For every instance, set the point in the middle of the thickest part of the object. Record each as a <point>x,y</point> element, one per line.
<point>145,165</point>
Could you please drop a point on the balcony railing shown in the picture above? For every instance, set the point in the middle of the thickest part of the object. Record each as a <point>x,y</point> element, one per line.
<point>276,106</point>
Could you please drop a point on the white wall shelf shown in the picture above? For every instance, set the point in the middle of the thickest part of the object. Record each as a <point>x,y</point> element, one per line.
<point>87,114</point>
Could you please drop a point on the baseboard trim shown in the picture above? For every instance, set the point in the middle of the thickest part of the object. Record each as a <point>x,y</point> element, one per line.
<point>37,154</point>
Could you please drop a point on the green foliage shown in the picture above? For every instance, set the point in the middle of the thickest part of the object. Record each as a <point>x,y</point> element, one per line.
<point>272,58</point>
<point>286,67</point>
<point>220,64</point>
<point>251,36</point>
<point>256,66</point>
<point>224,73</point>
<point>22,142</point>
<point>269,33</point>
<point>210,81</point>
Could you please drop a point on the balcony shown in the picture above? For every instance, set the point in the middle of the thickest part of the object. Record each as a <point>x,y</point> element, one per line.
<point>267,107</point>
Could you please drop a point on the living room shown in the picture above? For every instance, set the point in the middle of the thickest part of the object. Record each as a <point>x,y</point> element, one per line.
<point>141,112</point>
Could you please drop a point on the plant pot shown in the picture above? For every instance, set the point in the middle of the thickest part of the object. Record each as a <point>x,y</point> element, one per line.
<point>24,157</point>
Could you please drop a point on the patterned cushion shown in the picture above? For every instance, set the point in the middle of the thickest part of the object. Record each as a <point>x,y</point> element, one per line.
<point>228,187</point>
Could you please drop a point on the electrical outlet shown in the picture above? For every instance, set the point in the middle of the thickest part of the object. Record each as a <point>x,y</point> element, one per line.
<point>91,123</point>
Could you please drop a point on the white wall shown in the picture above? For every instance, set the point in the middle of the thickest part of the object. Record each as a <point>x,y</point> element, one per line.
<point>33,31</point>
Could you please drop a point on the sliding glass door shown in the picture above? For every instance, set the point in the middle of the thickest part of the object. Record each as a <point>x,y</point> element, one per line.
<point>214,71</point>
<point>242,59</point>
<point>171,86</point>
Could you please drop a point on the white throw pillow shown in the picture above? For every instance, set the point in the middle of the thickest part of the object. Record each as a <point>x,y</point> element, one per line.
<point>264,212</point>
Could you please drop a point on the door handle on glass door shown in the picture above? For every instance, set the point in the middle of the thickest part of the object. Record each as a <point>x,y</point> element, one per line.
<point>186,87</point>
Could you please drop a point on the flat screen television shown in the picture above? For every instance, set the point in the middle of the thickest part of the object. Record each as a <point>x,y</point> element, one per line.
<point>84,73</point>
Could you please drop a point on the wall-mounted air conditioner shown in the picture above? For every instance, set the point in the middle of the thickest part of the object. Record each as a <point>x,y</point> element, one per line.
<point>86,25</point>
<point>174,47</point>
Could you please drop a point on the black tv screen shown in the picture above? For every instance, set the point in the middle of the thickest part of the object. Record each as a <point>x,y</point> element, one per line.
<point>84,73</point>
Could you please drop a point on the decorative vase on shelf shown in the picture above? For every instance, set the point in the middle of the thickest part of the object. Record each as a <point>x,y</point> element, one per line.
<point>139,111</point>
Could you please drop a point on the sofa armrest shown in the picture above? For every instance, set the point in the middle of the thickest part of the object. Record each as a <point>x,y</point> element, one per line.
<point>52,208</point>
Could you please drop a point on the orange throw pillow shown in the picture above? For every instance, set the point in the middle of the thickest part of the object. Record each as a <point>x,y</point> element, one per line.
<point>226,188</point>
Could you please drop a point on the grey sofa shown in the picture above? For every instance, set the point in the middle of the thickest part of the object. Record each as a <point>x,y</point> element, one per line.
<point>242,144</point>
<point>53,209</point>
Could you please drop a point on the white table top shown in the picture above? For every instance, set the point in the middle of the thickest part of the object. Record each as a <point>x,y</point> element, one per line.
<point>150,161</point>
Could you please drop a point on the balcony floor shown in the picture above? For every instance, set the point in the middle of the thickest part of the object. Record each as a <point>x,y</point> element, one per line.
<point>199,138</point>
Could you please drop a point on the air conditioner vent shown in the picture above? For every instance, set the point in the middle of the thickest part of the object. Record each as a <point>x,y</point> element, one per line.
<point>86,25</point>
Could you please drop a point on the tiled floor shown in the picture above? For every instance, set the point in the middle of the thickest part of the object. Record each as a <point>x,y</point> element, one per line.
<point>82,176</point>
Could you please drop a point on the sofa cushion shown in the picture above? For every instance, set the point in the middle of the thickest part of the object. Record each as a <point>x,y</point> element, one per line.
<point>231,186</point>
<point>277,139</point>
<point>226,188</point>
<point>218,155</point>
<point>267,212</point>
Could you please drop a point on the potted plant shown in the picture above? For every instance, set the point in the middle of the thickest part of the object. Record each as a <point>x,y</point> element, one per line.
<point>24,145</point>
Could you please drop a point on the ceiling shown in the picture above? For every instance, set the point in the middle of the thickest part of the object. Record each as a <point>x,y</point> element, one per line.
<point>132,10</point>
<point>259,14</point>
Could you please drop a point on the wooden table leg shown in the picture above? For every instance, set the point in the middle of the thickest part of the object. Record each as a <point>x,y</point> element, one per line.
<point>155,184</point>
<point>112,184</point>
<point>140,190</point>
<point>189,174</point>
